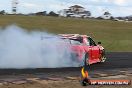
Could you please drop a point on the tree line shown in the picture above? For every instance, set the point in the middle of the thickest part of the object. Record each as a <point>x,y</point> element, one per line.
<point>44,13</point>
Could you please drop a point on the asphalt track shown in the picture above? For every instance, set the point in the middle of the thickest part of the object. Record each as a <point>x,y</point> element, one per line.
<point>115,60</point>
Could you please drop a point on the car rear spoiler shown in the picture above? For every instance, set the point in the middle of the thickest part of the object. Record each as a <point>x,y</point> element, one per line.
<point>69,36</point>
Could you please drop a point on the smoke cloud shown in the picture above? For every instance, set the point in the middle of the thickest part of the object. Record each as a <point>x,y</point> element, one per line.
<point>22,49</point>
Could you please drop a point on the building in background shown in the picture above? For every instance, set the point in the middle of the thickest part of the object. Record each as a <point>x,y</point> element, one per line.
<point>106,15</point>
<point>75,11</point>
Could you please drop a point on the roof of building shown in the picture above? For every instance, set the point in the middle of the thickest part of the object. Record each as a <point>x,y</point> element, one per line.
<point>76,6</point>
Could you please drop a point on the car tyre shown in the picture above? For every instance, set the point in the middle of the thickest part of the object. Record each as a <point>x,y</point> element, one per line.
<point>103,59</point>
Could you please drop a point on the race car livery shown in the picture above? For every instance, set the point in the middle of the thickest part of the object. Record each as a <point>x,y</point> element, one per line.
<point>84,47</point>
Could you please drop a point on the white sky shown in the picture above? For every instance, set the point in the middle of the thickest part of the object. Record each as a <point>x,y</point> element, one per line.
<point>97,7</point>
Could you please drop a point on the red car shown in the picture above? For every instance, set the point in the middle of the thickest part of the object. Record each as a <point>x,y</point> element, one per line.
<point>83,46</point>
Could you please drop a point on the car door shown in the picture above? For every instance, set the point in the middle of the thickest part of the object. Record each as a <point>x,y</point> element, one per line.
<point>94,51</point>
<point>77,48</point>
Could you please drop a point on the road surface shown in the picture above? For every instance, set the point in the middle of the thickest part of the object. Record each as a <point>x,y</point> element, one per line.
<point>115,60</point>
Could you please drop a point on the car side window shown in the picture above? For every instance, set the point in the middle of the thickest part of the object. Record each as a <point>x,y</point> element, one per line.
<point>91,42</point>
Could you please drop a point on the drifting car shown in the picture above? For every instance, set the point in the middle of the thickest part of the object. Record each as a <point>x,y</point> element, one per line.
<point>83,46</point>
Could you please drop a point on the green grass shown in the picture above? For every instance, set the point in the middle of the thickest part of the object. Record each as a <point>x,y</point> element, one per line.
<point>115,36</point>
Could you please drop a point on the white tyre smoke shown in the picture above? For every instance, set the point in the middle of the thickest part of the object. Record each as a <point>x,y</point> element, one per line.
<point>22,49</point>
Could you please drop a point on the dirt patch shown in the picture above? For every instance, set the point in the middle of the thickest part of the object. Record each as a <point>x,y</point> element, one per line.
<point>68,79</point>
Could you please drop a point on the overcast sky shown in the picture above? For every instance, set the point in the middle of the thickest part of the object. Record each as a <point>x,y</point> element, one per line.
<point>97,7</point>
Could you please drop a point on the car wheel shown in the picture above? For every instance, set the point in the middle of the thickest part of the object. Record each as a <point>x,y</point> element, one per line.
<point>103,59</point>
<point>84,60</point>
<point>74,57</point>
